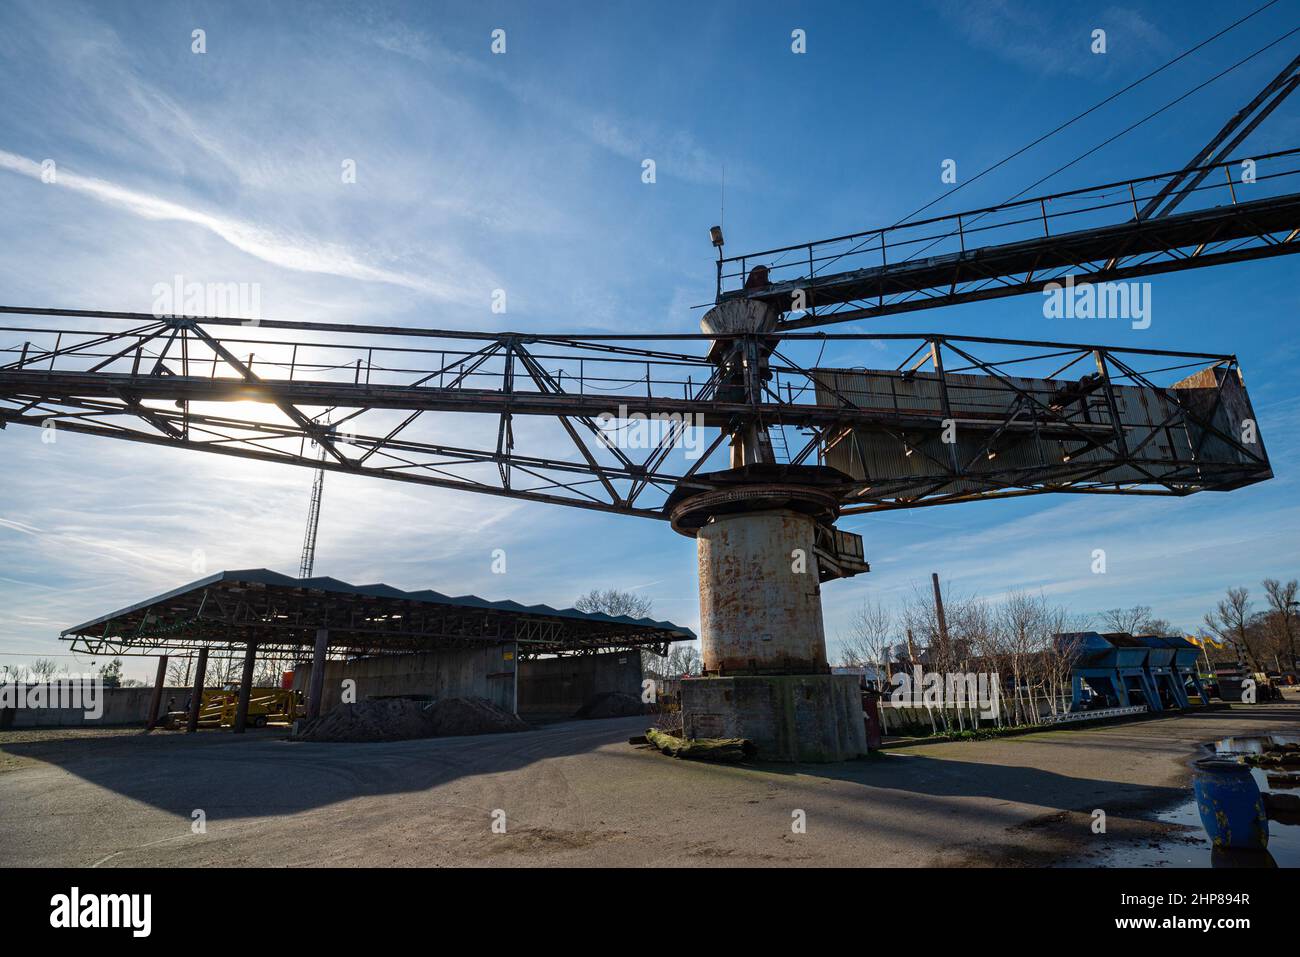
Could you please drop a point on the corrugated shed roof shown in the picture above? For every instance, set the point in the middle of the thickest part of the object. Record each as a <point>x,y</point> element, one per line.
<point>264,576</point>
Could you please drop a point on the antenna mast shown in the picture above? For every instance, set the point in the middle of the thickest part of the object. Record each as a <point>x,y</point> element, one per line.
<point>313,523</point>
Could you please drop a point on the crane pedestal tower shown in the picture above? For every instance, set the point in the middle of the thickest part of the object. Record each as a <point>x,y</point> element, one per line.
<point>766,540</point>
<point>764,549</point>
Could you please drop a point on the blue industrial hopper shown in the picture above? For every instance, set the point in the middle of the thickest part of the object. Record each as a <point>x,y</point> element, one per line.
<point>1162,676</point>
<point>1186,656</point>
<point>1113,665</point>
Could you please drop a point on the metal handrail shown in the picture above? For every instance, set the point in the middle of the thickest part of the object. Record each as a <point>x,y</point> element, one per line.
<point>876,242</point>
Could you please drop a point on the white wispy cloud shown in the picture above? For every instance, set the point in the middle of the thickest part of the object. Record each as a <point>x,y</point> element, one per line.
<point>677,152</point>
<point>1049,40</point>
<point>296,253</point>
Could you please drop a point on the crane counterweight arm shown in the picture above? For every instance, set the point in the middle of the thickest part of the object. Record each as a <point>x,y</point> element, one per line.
<point>1093,235</point>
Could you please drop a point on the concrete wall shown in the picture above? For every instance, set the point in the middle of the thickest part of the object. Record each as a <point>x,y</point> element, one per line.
<point>483,672</point>
<point>556,685</point>
<point>563,685</point>
<point>120,706</point>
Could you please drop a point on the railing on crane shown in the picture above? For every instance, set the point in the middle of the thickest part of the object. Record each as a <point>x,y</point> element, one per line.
<point>1096,232</point>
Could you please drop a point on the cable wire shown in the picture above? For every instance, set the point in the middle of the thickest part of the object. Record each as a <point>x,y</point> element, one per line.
<point>1091,109</point>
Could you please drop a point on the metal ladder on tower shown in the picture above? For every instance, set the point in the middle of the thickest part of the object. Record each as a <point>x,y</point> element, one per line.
<point>780,447</point>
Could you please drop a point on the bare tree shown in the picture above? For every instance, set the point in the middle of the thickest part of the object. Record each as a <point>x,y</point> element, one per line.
<point>921,625</point>
<point>1027,626</point>
<point>970,626</point>
<point>1015,640</point>
<point>1059,655</point>
<point>179,671</point>
<point>1137,620</point>
<point>611,601</point>
<point>1281,601</point>
<point>1017,626</point>
<point>267,672</point>
<point>1230,622</point>
<point>871,636</point>
<point>683,659</point>
<point>222,671</point>
<point>971,632</point>
<point>948,647</point>
<point>14,674</point>
<point>976,621</point>
<point>615,603</point>
<point>43,669</point>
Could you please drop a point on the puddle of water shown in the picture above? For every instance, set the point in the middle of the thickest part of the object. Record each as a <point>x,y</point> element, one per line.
<point>1255,744</point>
<point>1196,849</point>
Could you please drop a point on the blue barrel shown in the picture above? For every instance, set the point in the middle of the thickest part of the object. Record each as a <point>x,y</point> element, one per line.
<point>1229,802</point>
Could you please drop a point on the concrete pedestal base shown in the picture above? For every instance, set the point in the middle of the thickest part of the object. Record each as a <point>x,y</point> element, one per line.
<point>788,717</point>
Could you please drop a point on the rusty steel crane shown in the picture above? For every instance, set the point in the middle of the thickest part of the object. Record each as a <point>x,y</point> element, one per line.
<point>679,427</point>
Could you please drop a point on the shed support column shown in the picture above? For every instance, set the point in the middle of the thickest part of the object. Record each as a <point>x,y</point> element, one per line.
<point>155,700</point>
<point>317,686</point>
<point>196,698</point>
<point>245,688</point>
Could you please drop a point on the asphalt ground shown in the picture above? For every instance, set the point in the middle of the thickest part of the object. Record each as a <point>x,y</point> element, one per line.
<point>577,793</point>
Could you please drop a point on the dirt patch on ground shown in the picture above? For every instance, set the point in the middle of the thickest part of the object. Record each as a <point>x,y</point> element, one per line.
<point>401,719</point>
<point>545,840</point>
<point>1068,836</point>
<point>711,852</point>
<point>26,746</point>
<point>50,735</point>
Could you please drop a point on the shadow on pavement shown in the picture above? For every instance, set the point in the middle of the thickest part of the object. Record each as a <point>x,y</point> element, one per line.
<point>263,773</point>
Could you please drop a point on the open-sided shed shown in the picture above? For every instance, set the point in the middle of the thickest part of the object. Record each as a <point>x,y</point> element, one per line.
<point>257,611</point>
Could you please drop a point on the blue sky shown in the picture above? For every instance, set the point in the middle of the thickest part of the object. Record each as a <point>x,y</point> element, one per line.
<point>523,171</point>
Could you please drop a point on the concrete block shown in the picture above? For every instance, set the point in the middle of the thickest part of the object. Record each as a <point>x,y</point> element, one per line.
<point>815,718</point>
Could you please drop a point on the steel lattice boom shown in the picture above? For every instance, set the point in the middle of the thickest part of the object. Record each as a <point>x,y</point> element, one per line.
<point>627,424</point>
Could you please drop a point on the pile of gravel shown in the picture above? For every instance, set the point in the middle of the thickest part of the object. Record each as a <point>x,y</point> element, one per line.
<point>400,719</point>
<point>456,716</point>
<point>611,704</point>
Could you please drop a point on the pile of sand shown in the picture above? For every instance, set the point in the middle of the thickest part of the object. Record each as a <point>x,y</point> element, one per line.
<point>399,719</point>
<point>611,704</point>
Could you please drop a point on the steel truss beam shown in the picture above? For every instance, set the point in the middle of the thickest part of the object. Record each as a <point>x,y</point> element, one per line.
<point>366,393</point>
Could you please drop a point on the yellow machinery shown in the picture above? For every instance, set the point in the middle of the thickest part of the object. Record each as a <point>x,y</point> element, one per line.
<point>265,706</point>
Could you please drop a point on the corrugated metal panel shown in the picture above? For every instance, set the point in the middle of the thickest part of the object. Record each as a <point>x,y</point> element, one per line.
<point>1159,443</point>
<point>264,576</point>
